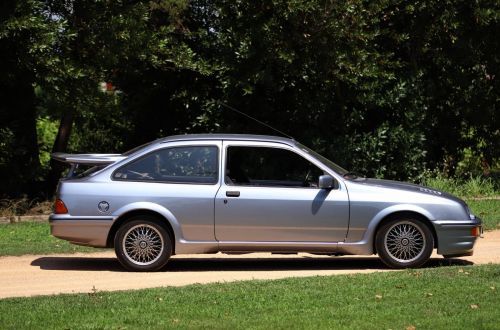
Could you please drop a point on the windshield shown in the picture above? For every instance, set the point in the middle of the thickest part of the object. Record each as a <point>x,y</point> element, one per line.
<point>324,160</point>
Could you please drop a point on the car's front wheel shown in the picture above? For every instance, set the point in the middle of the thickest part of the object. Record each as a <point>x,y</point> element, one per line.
<point>142,244</point>
<point>404,243</point>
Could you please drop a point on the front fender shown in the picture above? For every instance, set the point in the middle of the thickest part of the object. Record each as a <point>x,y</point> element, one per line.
<point>398,208</point>
<point>365,244</point>
<point>382,214</point>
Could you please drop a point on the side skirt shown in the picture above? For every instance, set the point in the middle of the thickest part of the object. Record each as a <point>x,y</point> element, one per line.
<point>187,247</point>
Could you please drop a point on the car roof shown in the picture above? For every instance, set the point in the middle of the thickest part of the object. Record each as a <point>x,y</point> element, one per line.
<point>220,136</point>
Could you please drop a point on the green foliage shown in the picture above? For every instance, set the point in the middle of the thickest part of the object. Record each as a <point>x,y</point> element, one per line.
<point>28,39</point>
<point>388,300</point>
<point>385,88</point>
<point>105,122</point>
<point>389,152</point>
<point>318,73</point>
<point>488,210</point>
<point>46,130</point>
<point>6,147</point>
<point>472,187</point>
<point>471,163</point>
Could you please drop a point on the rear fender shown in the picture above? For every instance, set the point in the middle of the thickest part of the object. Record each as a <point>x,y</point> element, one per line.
<point>169,216</point>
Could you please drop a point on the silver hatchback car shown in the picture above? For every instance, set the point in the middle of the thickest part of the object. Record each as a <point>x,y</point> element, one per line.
<point>246,193</point>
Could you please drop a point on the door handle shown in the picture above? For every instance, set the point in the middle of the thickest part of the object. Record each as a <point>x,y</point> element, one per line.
<point>233,193</point>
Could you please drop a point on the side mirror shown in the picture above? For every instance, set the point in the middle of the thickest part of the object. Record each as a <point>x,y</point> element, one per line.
<point>325,182</point>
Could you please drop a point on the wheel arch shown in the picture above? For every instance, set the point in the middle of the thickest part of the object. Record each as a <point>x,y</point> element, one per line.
<point>409,214</point>
<point>161,220</point>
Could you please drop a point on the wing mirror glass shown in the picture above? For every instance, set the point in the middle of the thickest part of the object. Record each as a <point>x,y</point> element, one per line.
<point>325,182</point>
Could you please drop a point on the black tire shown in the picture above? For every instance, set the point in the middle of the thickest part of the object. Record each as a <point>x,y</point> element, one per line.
<point>404,243</point>
<point>142,244</point>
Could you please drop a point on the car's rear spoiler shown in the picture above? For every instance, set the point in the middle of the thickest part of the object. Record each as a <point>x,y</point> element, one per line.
<point>85,159</point>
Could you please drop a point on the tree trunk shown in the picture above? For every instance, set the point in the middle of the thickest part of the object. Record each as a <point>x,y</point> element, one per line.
<point>19,115</point>
<point>60,145</point>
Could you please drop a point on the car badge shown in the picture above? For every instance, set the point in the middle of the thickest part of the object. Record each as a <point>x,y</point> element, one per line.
<point>430,191</point>
<point>103,206</point>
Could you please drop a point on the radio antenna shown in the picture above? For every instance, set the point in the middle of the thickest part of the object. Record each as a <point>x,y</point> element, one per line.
<point>254,119</point>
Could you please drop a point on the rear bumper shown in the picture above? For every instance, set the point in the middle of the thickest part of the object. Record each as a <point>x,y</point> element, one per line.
<point>456,238</point>
<point>89,232</point>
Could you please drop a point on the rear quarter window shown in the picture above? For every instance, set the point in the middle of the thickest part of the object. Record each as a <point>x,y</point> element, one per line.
<point>192,164</point>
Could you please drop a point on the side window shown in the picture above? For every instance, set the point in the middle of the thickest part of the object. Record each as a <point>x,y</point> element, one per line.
<point>197,164</point>
<point>261,166</point>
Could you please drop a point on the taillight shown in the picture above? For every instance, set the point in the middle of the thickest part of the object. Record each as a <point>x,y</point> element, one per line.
<point>476,231</point>
<point>59,207</point>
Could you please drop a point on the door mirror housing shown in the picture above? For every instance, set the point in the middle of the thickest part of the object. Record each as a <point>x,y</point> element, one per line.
<point>325,182</point>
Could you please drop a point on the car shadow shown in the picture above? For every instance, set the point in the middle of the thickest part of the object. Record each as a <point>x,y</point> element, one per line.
<point>210,264</point>
<point>78,263</point>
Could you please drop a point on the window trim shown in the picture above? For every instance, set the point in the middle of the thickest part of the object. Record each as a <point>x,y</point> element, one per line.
<point>336,185</point>
<point>216,180</point>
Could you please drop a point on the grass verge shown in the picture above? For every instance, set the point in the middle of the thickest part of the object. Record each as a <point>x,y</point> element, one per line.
<point>472,187</point>
<point>488,210</point>
<point>442,298</point>
<point>33,238</point>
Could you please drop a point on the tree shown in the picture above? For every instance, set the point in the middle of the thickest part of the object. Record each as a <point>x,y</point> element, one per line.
<point>387,88</point>
<point>27,37</point>
<point>450,48</point>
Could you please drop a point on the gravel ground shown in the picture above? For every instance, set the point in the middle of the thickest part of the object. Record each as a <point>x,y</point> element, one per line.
<point>53,274</point>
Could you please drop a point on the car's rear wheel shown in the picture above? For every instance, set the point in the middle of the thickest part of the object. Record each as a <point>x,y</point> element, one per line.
<point>142,244</point>
<point>404,243</point>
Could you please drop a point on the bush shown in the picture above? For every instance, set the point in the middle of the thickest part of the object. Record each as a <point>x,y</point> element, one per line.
<point>473,187</point>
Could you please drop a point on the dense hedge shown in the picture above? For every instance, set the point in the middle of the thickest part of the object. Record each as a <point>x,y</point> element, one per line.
<point>386,88</point>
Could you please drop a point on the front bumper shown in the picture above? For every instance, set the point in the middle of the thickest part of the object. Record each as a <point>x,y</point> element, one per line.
<point>82,231</point>
<point>457,238</point>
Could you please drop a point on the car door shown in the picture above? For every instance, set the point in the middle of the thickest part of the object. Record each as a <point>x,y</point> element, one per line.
<point>270,194</point>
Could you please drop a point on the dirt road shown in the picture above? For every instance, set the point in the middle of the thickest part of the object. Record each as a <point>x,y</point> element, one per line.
<point>43,275</point>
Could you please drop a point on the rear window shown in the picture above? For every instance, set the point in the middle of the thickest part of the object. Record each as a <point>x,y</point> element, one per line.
<point>86,172</point>
<point>81,171</point>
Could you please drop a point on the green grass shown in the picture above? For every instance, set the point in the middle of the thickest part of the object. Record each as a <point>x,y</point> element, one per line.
<point>442,298</point>
<point>488,210</point>
<point>33,238</point>
<point>472,187</point>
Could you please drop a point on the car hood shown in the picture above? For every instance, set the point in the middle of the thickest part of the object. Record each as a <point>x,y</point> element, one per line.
<point>397,185</point>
